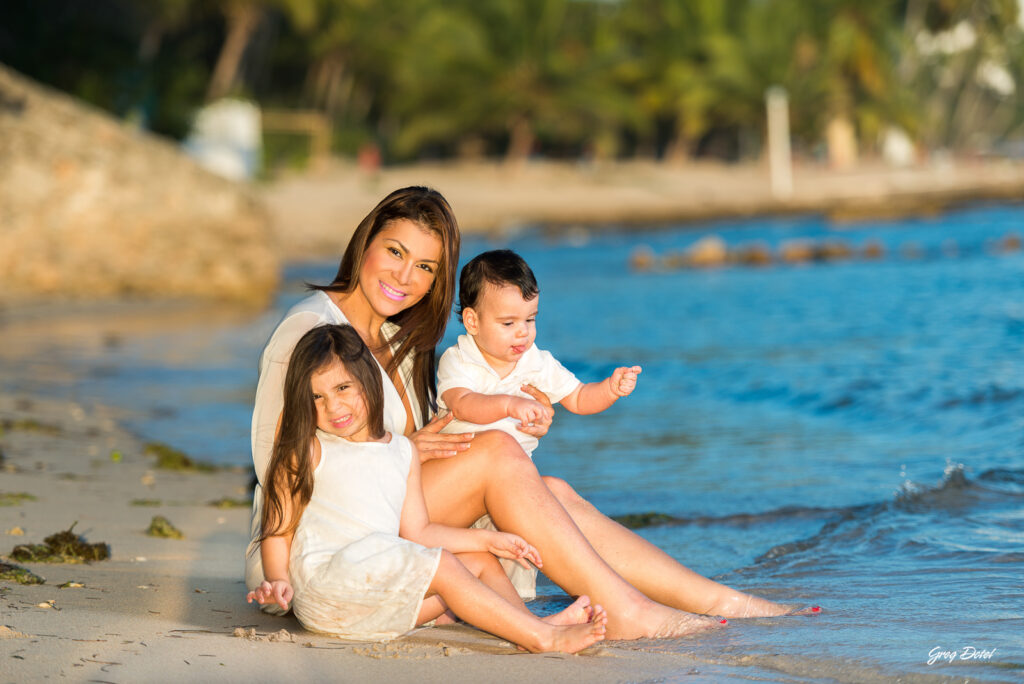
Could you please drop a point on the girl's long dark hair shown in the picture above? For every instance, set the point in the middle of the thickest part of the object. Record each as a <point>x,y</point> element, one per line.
<point>421,326</point>
<point>290,473</point>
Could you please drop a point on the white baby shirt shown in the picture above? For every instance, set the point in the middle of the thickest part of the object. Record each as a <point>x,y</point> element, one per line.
<point>462,365</point>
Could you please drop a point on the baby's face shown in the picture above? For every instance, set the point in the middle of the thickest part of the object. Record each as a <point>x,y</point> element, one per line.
<point>503,324</point>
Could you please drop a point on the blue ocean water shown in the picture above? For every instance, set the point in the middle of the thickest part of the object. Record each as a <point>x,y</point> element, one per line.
<point>847,434</point>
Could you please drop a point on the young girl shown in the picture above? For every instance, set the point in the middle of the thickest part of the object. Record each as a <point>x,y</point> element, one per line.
<point>346,538</point>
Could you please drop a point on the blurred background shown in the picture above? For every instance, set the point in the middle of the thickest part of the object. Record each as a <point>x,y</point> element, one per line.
<point>562,79</point>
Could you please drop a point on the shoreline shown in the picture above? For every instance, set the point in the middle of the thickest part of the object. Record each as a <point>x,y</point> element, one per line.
<point>313,214</point>
<point>163,609</point>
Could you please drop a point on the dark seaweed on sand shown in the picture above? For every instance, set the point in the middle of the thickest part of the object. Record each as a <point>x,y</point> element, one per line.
<point>160,526</point>
<point>169,458</point>
<point>30,425</point>
<point>61,547</point>
<point>14,573</point>
<point>228,502</point>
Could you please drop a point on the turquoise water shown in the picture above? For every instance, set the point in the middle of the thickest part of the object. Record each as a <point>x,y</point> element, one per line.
<point>848,434</point>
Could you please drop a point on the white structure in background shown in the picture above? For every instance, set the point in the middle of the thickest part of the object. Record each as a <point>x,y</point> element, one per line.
<point>897,147</point>
<point>949,42</point>
<point>780,158</point>
<point>226,139</point>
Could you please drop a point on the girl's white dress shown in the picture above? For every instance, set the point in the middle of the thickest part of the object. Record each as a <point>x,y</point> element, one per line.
<point>353,576</point>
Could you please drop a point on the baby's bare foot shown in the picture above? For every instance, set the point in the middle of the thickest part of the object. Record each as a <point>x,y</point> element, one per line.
<point>579,612</point>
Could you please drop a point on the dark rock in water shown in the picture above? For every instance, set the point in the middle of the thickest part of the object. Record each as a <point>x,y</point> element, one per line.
<point>92,208</point>
<point>61,547</point>
<point>637,520</point>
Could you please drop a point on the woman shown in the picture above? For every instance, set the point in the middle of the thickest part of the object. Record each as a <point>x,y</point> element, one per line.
<point>395,286</point>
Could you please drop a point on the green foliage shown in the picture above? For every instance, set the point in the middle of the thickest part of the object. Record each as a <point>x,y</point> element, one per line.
<point>560,77</point>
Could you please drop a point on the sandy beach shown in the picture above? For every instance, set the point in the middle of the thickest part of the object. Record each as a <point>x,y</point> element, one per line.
<point>313,214</point>
<point>166,609</point>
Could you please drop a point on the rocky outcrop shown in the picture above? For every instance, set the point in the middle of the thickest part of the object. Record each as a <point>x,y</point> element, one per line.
<point>91,208</point>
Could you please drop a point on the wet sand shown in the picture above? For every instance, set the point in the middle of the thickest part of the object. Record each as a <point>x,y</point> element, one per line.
<point>164,609</point>
<point>313,214</point>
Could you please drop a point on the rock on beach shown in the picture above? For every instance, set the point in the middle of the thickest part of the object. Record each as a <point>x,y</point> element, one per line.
<point>92,208</point>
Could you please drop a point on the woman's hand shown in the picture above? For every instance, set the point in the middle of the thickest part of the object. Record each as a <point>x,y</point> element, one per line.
<point>513,547</point>
<point>541,427</point>
<point>431,444</point>
<point>278,591</point>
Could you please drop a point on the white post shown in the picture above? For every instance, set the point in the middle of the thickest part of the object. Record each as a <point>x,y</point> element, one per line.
<point>780,162</point>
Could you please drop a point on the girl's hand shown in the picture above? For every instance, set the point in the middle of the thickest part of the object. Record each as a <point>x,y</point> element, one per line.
<point>539,428</point>
<point>513,547</point>
<point>623,380</point>
<point>431,444</point>
<point>278,591</point>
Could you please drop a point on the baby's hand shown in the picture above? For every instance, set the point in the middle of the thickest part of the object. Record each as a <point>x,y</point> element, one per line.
<point>529,411</point>
<point>513,547</point>
<point>623,380</point>
<point>278,591</point>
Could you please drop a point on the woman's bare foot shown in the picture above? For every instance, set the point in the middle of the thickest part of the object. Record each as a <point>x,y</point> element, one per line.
<point>805,610</point>
<point>574,638</point>
<point>579,612</point>
<point>684,624</point>
<point>748,606</point>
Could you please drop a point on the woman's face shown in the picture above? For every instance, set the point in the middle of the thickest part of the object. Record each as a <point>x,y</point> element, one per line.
<point>399,266</point>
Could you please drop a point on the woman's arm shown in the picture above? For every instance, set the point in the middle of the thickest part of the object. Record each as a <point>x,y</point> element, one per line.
<point>415,526</point>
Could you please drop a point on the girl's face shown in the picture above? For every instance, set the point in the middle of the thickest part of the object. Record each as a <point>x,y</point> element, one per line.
<point>340,406</point>
<point>399,267</point>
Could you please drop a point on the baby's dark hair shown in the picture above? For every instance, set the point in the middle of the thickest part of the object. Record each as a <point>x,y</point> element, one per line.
<point>499,267</point>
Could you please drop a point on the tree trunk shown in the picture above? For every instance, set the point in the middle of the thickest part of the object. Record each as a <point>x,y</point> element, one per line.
<point>521,141</point>
<point>241,18</point>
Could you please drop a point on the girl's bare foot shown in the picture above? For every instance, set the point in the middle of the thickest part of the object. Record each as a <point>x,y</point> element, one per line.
<point>574,638</point>
<point>579,612</point>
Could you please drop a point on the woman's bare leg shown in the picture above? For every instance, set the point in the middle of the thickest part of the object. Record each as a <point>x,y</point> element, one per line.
<point>481,606</point>
<point>653,571</point>
<point>495,476</point>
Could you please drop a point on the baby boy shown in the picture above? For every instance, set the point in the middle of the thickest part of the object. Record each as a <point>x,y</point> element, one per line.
<point>480,378</point>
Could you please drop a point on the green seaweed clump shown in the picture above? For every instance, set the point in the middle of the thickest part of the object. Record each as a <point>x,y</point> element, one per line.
<point>14,573</point>
<point>169,458</point>
<point>61,547</point>
<point>146,502</point>
<point>637,520</point>
<point>228,502</point>
<point>162,527</point>
<point>30,425</point>
<point>14,498</point>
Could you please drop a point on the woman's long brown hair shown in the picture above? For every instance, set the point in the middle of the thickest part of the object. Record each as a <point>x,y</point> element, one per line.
<point>421,326</point>
<point>290,473</point>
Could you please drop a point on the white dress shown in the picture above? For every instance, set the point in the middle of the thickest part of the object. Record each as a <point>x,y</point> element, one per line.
<point>316,309</point>
<point>353,576</point>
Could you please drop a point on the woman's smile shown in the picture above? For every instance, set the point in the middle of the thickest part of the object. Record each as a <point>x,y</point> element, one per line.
<point>391,293</point>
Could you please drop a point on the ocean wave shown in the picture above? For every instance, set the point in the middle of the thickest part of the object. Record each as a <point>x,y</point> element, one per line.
<point>953,517</point>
